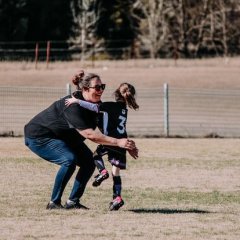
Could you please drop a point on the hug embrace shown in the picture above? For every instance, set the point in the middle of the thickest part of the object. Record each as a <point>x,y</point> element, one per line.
<point>57,135</point>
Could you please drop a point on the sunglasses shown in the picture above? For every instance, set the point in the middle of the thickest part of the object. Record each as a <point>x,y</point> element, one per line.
<point>99,87</point>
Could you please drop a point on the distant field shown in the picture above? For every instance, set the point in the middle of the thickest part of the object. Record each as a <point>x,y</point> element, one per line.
<point>204,73</point>
<point>177,189</point>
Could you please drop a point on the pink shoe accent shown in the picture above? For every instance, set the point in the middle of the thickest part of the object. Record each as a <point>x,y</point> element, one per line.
<point>118,199</point>
<point>104,171</point>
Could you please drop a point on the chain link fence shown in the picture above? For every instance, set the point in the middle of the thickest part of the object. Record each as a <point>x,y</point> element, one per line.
<point>190,112</point>
<point>202,112</point>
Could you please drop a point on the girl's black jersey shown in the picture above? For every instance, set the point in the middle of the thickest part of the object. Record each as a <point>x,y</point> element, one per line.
<point>113,118</point>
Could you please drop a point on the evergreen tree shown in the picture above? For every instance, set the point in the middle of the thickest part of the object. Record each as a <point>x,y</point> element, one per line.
<point>13,20</point>
<point>116,25</point>
<point>49,20</point>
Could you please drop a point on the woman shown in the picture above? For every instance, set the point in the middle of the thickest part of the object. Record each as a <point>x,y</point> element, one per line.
<point>57,135</point>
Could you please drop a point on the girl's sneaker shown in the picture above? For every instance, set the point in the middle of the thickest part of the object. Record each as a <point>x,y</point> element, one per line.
<point>100,178</point>
<point>116,203</point>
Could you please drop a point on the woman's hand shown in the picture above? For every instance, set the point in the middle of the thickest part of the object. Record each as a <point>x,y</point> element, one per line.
<point>71,100</point>
<point>126,143</point>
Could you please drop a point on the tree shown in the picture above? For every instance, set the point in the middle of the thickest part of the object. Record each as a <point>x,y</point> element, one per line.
<point>48,20</point>
<point>154,27</point>
<point>159,28</point>
<point>116,25</point>
<point>84,19</point>
<point>13,20</point>
<point>233,27</point>
<point>208,27</point>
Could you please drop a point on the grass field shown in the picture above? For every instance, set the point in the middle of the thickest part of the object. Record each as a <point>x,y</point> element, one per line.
<point>177,189</point>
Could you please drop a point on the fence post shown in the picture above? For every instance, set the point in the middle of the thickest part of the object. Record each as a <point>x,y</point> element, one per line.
<point>68,89</point>
<point>48,52</point>
<point>36,55</point>
<point>166,110</point>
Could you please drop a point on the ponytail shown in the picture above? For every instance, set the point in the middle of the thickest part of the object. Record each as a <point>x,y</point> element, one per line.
<point>126,93</point>
<point>77,78</point>
<point>131,101</point>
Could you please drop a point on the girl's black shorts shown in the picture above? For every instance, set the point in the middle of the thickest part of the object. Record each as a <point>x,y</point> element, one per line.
<point>116,155</point>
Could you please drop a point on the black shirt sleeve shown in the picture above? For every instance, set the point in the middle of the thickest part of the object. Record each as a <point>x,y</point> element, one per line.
<point>79,117</point>
<point>59,121</point>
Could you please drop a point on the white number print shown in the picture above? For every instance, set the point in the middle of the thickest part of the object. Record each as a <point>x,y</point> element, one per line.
<point>121,128</point>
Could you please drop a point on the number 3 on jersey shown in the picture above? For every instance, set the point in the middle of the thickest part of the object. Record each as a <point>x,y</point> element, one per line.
<point>121,128</point>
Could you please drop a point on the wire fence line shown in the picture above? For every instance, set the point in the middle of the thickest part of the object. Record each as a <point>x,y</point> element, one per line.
<point>204,112</point>
<point>34,51</point>
<point>191,112</point>
<point>60,51</point>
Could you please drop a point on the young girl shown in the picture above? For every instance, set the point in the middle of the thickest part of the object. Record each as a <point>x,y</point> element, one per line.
<point>112,122</point>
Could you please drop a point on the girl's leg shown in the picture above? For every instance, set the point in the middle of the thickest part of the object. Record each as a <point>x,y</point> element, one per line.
<point>117,189</point>
<point>98,160</point>
<point>97,157</point>
<point>117,181</point>
<point>99,163</point>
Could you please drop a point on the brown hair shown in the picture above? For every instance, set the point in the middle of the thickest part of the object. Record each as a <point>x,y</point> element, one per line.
<point>83,81</point>
<point>126,93</point>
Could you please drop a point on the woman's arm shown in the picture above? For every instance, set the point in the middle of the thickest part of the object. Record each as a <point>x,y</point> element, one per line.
<point>90,106</point>
<point>98,137</point>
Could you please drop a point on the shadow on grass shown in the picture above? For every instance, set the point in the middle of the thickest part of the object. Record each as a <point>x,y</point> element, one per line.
<point>168,211</point>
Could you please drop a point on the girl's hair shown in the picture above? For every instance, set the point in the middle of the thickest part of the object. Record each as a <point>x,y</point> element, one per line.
<point>83,81</point>
<point>126,93</point>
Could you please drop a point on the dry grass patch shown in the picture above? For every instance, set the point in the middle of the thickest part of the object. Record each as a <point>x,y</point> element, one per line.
<point>177,189</point>
<point>216,73</point>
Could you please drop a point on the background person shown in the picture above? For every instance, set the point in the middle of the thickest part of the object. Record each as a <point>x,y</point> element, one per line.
<point>57,135</point>
<point>112,123</point>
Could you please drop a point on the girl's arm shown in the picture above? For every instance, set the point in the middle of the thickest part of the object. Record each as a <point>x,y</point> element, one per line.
<point>90,106</point>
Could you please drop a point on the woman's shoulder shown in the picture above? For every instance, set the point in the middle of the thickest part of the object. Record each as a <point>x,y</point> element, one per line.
<point>78,94</point>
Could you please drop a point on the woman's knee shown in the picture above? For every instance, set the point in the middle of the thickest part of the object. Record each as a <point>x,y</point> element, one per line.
<point>68,159</point>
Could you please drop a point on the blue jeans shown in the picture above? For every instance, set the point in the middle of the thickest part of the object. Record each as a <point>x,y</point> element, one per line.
<point>57,151</point>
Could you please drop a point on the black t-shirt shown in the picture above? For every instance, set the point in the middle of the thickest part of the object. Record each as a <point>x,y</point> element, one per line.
<point>113,121</point>
<point>59,121</point>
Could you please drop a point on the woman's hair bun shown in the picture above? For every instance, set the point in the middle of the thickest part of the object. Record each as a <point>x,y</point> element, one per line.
<point>78,77</point>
